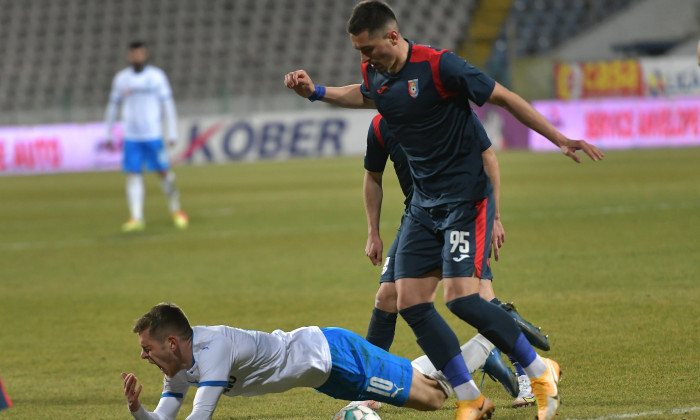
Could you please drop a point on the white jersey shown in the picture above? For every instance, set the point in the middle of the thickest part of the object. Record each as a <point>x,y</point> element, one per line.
<point>235,362</point>
<point>142,97</point>
<point>254,362</point>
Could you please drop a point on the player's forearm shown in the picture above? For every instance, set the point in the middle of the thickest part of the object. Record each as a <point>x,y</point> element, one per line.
<point>494,172</point>
<point>373,194</point>
<point>171,118</point>
<point>110,117</point>
<point>143,414</point>
<point>347,97</point>
<point>167,409</point>
<point>205,402</point>
<point>526,114</point>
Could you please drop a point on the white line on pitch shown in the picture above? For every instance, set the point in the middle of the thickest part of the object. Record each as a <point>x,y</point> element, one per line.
<point>126,239</point>
<point>645,414</point>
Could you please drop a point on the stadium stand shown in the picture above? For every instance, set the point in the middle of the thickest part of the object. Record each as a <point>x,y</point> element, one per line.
<point>582,30</point>
<point>59,57</point>
<point>537,27</point>
<point>543,24</point>
<point>644,28</point>
<point>225,56</point>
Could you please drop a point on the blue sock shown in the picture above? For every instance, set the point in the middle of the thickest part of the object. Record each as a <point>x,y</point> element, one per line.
<point>382,327</point>
<point>518,369</point>
<point>456,371</point>
<point>523,352</point>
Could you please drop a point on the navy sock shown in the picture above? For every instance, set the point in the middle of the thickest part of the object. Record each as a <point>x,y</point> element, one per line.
<point>492,321</point>
<point>523,351</point>
<point>382,327</point>
<point>518,368</point>
<point>433,334</point>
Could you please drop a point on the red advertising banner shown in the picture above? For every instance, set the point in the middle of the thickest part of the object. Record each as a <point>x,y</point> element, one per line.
<point>598,79</point>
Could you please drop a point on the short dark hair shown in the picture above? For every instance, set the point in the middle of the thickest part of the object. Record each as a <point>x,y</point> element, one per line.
<point>371,16</point>
<point>163,320</point>
<point>133,45</point>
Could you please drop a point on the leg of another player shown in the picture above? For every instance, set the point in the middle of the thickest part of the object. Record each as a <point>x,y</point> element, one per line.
<point>525,398</point>
<point>167,183</point>
<point>382,325</point>
<point>135,193</point>
<point>426,394</point>
<point>495,324</point>
<point>474,352</point>
<point>461,295</point>
<point>434,336</point>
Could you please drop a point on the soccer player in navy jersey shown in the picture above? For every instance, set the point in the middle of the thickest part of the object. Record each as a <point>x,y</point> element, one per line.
<point>382,146</point>
<point>424,93</point>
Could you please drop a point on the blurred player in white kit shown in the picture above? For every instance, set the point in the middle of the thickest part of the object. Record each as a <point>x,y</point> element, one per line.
<point>143,91</point>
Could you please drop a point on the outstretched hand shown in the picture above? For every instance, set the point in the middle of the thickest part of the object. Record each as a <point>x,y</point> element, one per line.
<point>130,391</point>
<point>300,82</point>
<point>572,146</point>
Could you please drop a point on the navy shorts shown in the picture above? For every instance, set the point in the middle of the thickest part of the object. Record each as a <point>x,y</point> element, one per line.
<point>151,153</point>
<point>388,268</point>
<point>455,238</point>
<point>362,371</point>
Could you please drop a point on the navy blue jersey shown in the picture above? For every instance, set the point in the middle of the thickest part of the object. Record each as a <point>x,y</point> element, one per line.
<point>426,105</point>
<point>382,145</point>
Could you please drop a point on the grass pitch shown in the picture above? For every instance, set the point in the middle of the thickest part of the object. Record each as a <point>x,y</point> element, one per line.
<point>603,255</point>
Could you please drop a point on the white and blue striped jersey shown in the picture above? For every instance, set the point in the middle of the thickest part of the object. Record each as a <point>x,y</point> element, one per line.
<point>143,96</point>
<point>233,362</point>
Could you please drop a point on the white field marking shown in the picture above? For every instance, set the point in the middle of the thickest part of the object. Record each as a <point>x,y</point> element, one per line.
<point>602,211</point>
<point>21,246</point>
<point>221,212</point>
<point>644,414</point>
<point>144,237</point>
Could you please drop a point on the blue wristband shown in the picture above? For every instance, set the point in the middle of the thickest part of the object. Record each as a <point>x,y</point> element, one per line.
<point>319,93</point>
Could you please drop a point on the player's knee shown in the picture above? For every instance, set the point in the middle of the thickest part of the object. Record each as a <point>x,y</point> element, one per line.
<point>455,289</point>
<point>386,299</point>
<point>486,290</point>
<point>167,175</point>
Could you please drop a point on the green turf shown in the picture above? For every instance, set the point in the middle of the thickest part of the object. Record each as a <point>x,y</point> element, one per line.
<point>603,255</point>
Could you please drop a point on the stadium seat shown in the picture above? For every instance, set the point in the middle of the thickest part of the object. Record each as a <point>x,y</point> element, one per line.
<point>65,54</point>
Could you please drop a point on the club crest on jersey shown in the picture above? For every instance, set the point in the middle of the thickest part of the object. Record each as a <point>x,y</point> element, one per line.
<point>413,88</point>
